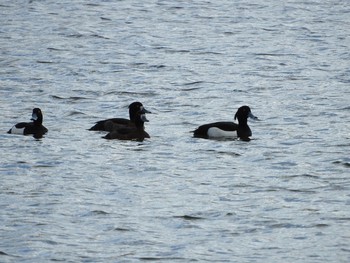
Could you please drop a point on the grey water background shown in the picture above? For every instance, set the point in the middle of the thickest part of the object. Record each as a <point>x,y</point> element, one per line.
<point>75,197</point>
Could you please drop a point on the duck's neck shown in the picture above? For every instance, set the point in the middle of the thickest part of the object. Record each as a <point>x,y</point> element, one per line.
<point>242,122</point>
<point>38,121</point>
<point>243,130</point>
<point>132,115</point>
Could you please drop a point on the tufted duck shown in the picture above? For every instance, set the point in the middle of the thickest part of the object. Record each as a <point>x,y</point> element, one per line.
<point>110,124</point>
<point>228,129</point>
<point>136,132</point>
<point>36,128</point>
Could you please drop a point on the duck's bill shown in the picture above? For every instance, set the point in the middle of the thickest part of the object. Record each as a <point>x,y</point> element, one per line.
<point>34,117</point>
<point>143,110</point>
<point>252,116</point>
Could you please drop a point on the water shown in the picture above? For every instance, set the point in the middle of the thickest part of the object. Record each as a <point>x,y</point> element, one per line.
<point>74,197</point>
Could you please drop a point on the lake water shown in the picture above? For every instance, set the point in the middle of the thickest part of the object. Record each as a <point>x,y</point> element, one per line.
<point>75,197</point>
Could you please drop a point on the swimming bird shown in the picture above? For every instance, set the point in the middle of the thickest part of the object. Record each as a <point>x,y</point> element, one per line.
<point>136,132</point>
<point>110,124</point>
<point>35,127</point>
<point>228,129</point>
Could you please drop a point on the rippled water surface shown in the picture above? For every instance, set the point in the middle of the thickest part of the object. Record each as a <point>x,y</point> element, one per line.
<point>75,197</point>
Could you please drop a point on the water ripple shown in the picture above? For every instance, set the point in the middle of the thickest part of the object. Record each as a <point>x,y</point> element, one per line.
<point>73,196</point>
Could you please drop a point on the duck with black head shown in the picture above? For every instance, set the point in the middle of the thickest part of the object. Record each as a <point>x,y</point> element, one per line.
<point>136,132</point>
<point>113,123</point>
<point>228,129</point>
<point>35,127</point>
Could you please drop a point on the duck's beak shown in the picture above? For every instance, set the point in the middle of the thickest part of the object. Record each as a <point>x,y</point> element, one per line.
<point>34,117</point>
<point>143,110</point>
<point>250,115</point>
<point>143,118</point>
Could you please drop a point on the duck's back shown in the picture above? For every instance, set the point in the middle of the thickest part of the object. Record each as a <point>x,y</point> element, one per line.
<point>107,125</point>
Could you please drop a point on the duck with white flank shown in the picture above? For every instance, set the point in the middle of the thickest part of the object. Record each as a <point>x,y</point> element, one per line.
<point>35,127</point>
<point>228,129</point>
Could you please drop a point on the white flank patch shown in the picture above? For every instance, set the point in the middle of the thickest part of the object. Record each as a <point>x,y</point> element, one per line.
<point>15,130</point>
<point>215,132</point>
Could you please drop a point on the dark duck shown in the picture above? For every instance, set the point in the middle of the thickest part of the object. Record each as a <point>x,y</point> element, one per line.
<point>110,124</point>
<point>34,128</point>
<point>228,129</point>
<point>131,132</point>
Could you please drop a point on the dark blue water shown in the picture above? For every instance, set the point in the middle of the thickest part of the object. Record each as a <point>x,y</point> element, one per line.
<point>75,197</point>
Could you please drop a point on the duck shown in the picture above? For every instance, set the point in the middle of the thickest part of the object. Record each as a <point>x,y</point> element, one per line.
<point>129,132</point>
<point>110,124</point>
<point>35,127</point>
<point>228,129</point>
